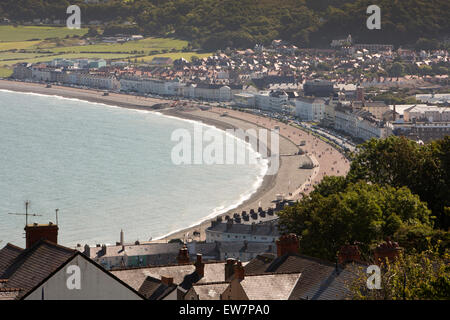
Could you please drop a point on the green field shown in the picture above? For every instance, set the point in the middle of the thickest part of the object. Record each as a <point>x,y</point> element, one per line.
<point>42,44</point>
<point>5,72</point>
<point>146,45</point>
<point>18,45</point>
<point>176,55</point>
<point>25,33</point>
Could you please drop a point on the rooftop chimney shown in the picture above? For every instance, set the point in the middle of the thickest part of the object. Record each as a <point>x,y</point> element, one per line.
<point>388,250</point>
<point>349,253</point>
<point>287,243</point>
<point>87,250</point>
<point>103,251</point>
<point>229,268</point>
<point>239,271</point>
<point>183,255</point>
<point>229,224</point>
<point>200,265</point>
<point>35,232</point>
<point>168,281</point>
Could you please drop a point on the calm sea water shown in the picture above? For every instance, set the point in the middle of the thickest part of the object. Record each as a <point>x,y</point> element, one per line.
<point>106,169</point>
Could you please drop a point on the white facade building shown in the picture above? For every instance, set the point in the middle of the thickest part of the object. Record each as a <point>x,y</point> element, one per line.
<point>360,124</point>
<point>81,279</point>
<point>225,232</point>
<point>40,74</point>
<point>310,109</point>
<point>430,113</point>
<point>271,100</point>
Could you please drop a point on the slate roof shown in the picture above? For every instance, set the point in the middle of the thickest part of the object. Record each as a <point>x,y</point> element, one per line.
<point>183,275</point>
<point>33,265</point>
<point>136,250</point>
<point>154,289</point>
<point>206,249</point>
<point>276,286</point>
<point>259,264</point>
<point>7,255</point>
<point>210,291</point>
<point>250,247</point>
<point>320,280</point>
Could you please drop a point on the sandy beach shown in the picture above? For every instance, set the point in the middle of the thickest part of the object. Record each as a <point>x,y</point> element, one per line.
<point>290,179</point>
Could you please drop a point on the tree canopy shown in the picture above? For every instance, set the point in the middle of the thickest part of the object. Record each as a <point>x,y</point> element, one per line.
<point>340,212</point>
<point>412,276</point>
<point>395,188</point>
<point>398,161</point>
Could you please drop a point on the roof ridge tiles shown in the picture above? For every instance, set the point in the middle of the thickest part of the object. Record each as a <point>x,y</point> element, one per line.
<point>271,273</point>
<point>12,246</point>
<point>21,258</point>
<point>210,283</point>
<point>166,265</point>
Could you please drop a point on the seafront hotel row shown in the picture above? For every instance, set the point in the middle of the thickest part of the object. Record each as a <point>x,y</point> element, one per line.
<point>341,107</point>
<point>126,82</point>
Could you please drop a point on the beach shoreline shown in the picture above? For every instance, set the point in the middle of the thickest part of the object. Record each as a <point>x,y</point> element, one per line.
<point>265,193</point>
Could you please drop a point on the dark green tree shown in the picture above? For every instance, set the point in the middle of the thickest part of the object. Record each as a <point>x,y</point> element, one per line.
<point>339,212</point>
<point>398,161</point>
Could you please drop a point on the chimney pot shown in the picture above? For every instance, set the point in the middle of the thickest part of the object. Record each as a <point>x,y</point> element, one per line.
<point>35,232</point>
<point>183,255</point>
<point>239,271</point>
<point>388,250</point>
<point>167,280</point>
<point>229,268</point>
<point>349,253</point>
<point>287,244</point>
<point>200,266</point>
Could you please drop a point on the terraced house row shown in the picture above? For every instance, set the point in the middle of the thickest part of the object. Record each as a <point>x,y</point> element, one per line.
<point>45,270</point>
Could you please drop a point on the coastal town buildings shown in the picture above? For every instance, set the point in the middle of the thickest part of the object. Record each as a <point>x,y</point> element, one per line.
<point>229,231</point>
<point>443,98</point>
<point>426,113</point>
<point>423,131</point>
<point>360,123</point>
<point>45,270</point>
<point>309,84</point>
<point>318,88</point>
<point>132,255</point>
<point>310,109</point>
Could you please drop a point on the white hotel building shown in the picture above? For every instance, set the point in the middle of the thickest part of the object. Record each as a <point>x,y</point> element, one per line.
<point>309,109</point>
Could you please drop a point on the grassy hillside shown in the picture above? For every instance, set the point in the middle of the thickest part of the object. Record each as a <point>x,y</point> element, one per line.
<point>54,44</point>
<point>25,33</point>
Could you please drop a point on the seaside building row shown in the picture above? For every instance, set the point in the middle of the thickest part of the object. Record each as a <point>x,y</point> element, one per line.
<point>126,83</point>
<point>45,270</point>
<point>247,246</point>
<point>335,105</point>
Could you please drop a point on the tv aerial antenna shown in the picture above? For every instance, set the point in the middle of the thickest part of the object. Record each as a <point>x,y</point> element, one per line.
<point>26,214</point>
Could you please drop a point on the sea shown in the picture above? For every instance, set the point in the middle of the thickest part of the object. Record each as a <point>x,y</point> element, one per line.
<point>106,169</point>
